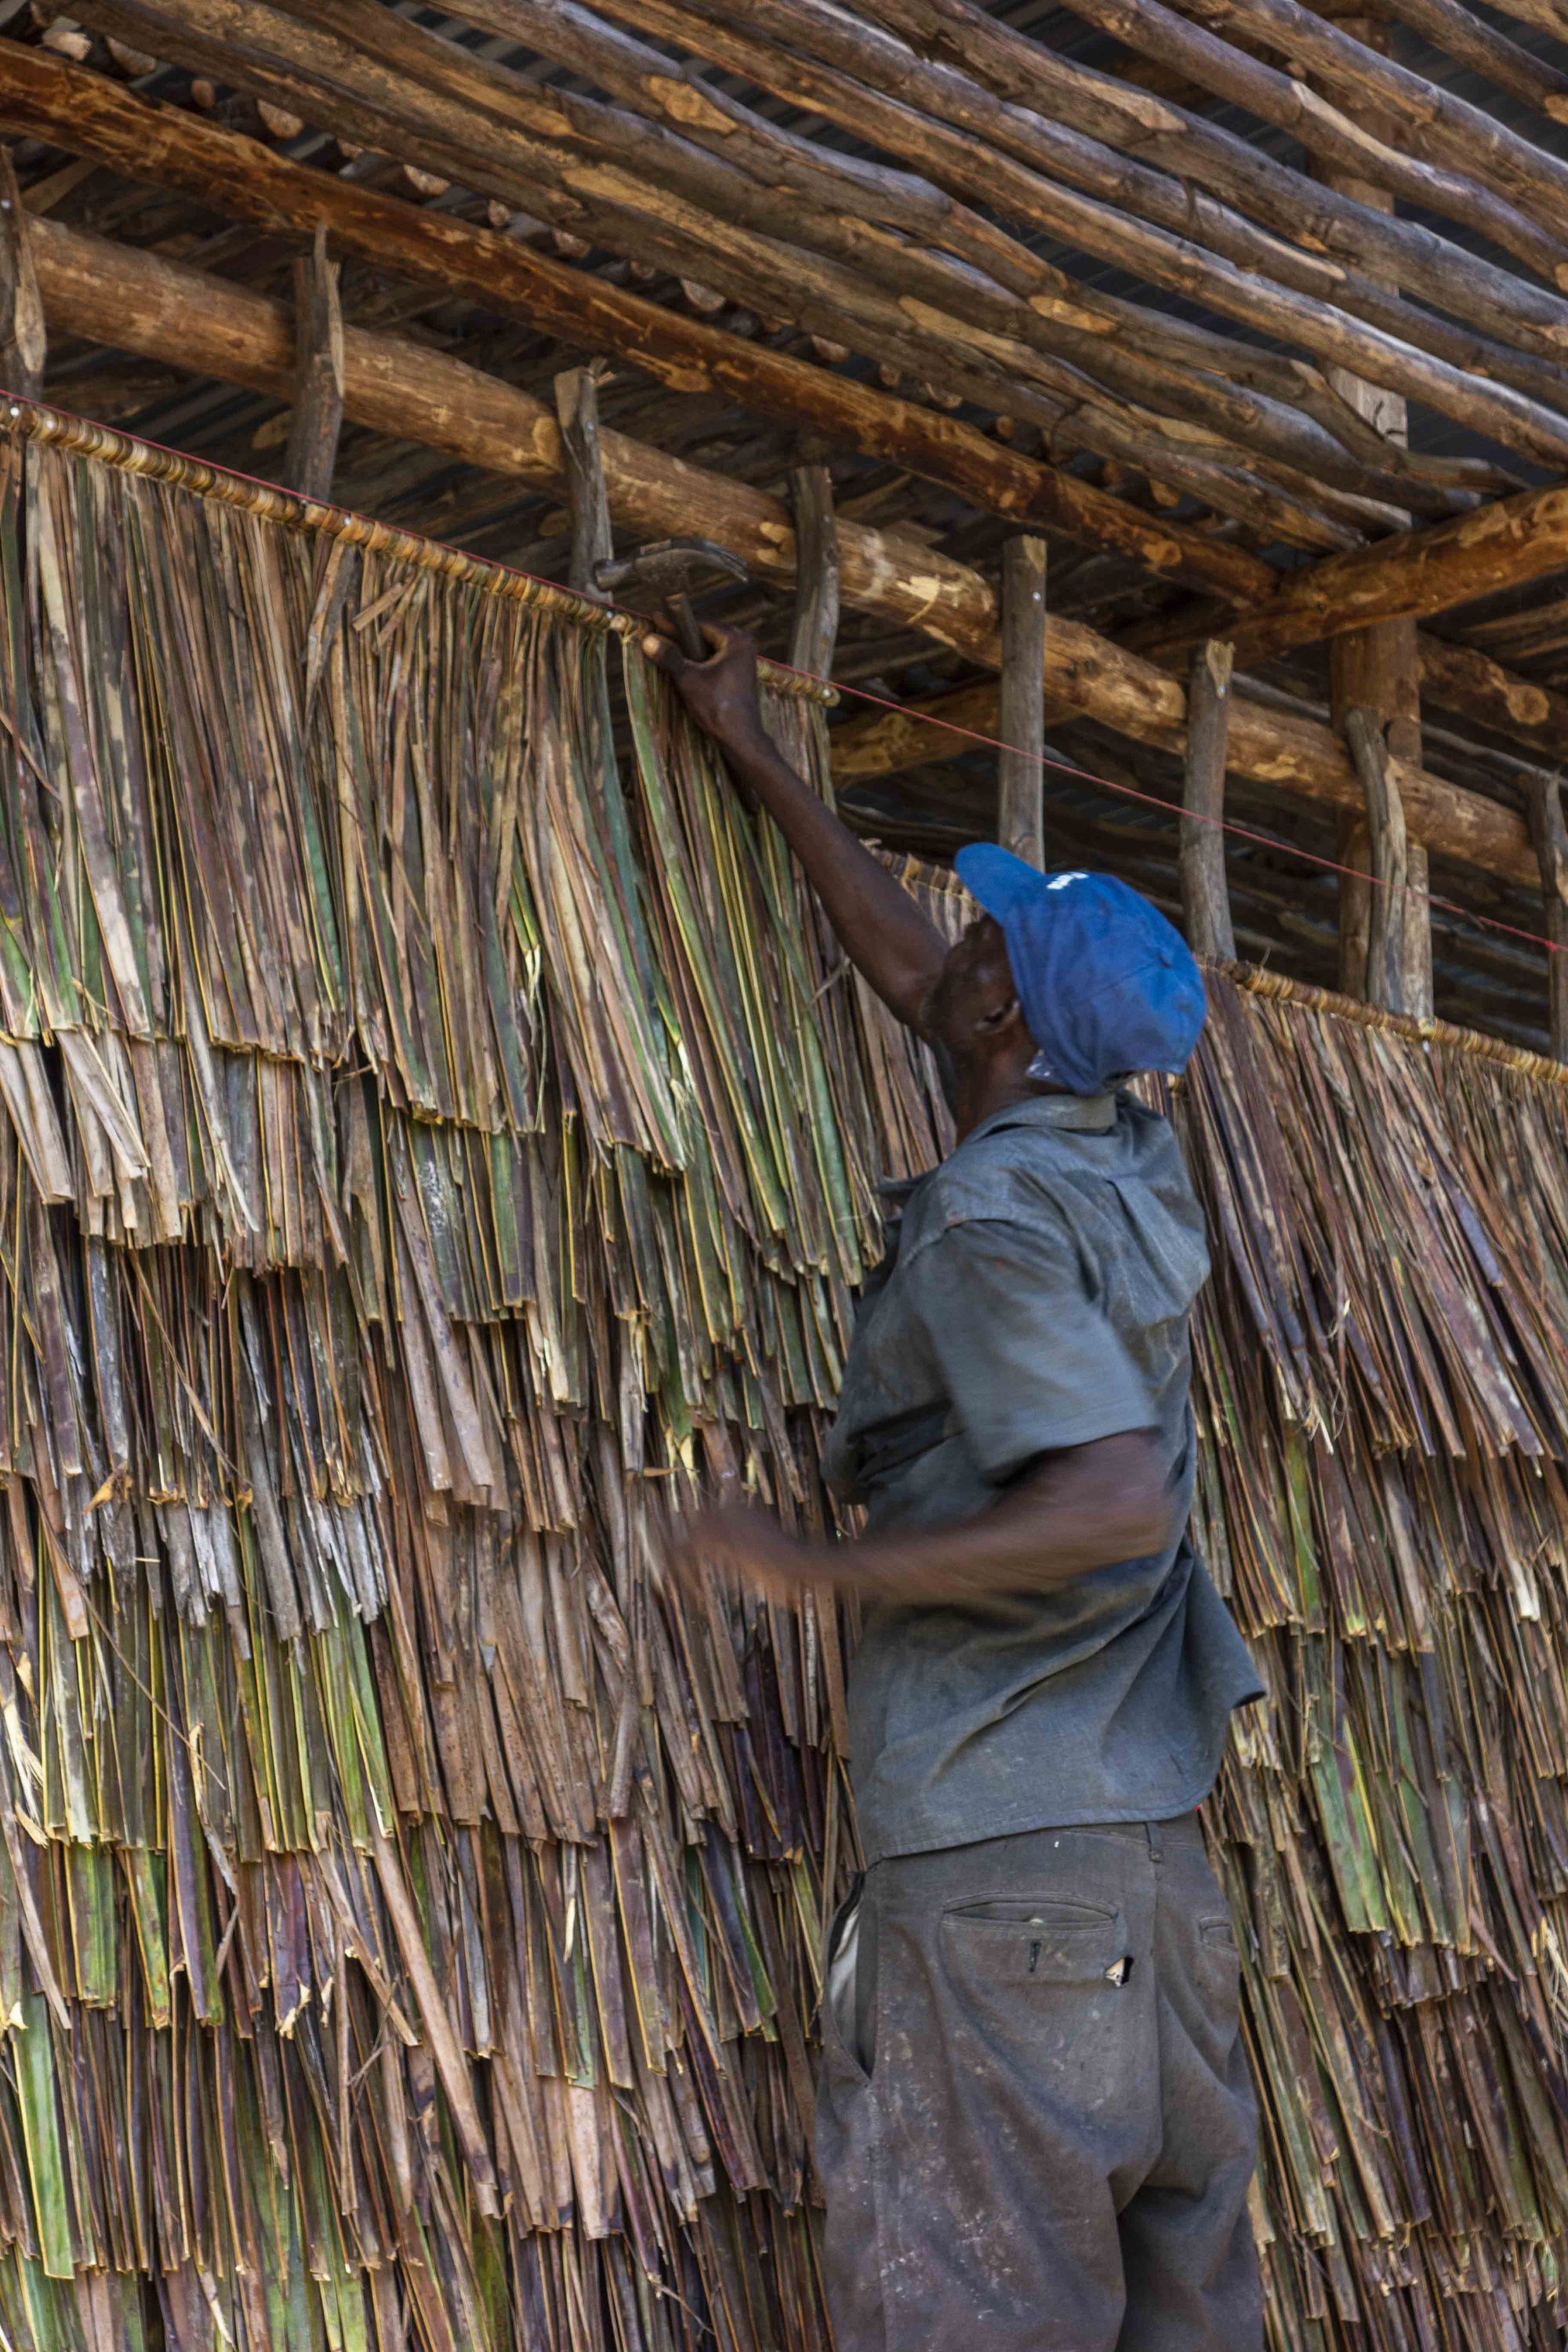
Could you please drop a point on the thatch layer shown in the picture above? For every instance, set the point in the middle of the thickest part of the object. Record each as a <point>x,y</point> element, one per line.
<point>431,1145</point>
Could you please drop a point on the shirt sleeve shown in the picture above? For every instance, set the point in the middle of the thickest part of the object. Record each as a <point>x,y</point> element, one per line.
<point>1030,1360</point>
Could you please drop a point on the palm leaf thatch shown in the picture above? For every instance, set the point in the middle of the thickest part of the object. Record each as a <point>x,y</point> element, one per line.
<point>434,1141</point>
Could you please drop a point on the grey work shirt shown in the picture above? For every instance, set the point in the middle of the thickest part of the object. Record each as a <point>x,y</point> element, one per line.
<point>1035,1296</point>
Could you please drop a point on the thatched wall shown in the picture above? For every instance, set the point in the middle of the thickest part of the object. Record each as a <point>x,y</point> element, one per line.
<point>429,1145</point>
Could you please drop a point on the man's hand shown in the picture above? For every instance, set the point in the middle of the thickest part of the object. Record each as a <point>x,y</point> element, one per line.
<point>721,692</point>
<point>751,1545</point>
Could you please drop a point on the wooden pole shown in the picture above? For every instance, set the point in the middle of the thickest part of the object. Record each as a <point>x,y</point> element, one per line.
<point>1386,977</point>
<point>137,301</point>
<point>817,570</point>
<point>22,338</point>
<point>1020,810</point>
<point>1551,848</point>
<point>1374,676</point>
<point>587,500</point>
<point>1205,901</point>
<point>312,455</point>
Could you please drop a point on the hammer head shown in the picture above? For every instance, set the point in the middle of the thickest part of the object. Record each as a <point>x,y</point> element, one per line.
<point>667,575</point>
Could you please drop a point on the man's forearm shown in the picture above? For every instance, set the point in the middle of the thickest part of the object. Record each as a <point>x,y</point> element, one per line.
<point>882,930</point>
<point>1098,1505</point>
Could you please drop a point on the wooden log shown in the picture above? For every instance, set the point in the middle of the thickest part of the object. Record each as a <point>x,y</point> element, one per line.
<point>817,570</point>
<point>1463,35</point>
<point>1385,984</point>
<point>1020,813</point>
<point>137,301</point>
<point>1422,117</point>
<point>1504,544</point>
<point>312,455</point>
<point>1375,670</point>
<point>1022,71</point>
<point>151,142</point>
<point>1462,679</point>
<point>1164,253</point>
<point>1551,836</point>
<point>1227,70</point>
<point>1205,901</point>
<point>588,501</point>
<point>22,338</point>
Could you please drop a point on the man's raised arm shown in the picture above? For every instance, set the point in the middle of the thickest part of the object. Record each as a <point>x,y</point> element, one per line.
<point>883,933</point>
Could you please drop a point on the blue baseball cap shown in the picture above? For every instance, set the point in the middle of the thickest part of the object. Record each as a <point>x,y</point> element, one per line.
<point>1105,985</point>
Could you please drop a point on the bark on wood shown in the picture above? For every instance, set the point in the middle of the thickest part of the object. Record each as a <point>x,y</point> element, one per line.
<point>1551,836</point>
<point>1235,283</point>
<point>1020,817</point>
<point>577,413</point>
<point>816,594</point>
<point>234,174</point>
<point>1228,71</point>
<point>1385,974</point>
<point>139,302</point>
<point>22,339</point>
<point>312,455</point>
<point>1205,899</point>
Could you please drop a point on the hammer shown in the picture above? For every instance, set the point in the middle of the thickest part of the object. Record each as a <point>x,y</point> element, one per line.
<point>668,574</point>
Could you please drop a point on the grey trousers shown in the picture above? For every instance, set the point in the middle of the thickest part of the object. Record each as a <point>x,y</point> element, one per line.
<point>1036,2128</point>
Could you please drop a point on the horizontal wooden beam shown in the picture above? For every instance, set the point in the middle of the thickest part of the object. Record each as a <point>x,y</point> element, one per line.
<point>1504,544</point>
<point>89,115</point>
<point>165,311</point>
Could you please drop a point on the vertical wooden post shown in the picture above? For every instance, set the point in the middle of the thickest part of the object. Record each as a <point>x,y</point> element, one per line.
<point>577,413</point>
<point>1377,669</point>
<point>1546,823</point>
<point>1389,980</point>
<point>1020,815</point>
<point>1205,901</point>
<point>22,341</point>
<point>311,457</point>
<point>816,571</point>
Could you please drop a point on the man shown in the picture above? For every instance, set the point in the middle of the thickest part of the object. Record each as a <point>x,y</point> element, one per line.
<point>1036,2131</point>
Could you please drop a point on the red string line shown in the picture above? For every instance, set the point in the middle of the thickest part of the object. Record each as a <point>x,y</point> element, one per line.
<point>1182,815</point>
<point>925,718</point>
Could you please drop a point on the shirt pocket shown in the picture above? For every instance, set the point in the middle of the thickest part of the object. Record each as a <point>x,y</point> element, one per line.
<point>1025,1941</point>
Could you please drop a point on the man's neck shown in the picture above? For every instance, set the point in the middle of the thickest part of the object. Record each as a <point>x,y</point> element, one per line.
<point>982,1095</point>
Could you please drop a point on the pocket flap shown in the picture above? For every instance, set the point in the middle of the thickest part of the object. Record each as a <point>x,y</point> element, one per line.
<point>1016,1941</point>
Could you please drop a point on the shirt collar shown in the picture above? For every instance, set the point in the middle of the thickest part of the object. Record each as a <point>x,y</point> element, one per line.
<point>1077,1114</point>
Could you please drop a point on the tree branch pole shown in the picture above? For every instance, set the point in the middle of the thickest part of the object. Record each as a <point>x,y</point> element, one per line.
<point>22,338</point>
<point>1020,812</point>
<point>587,503</point>
<point>165,311</point>
<point>312,455</point>
<point>817,594</point>
<point>1205,901</point>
